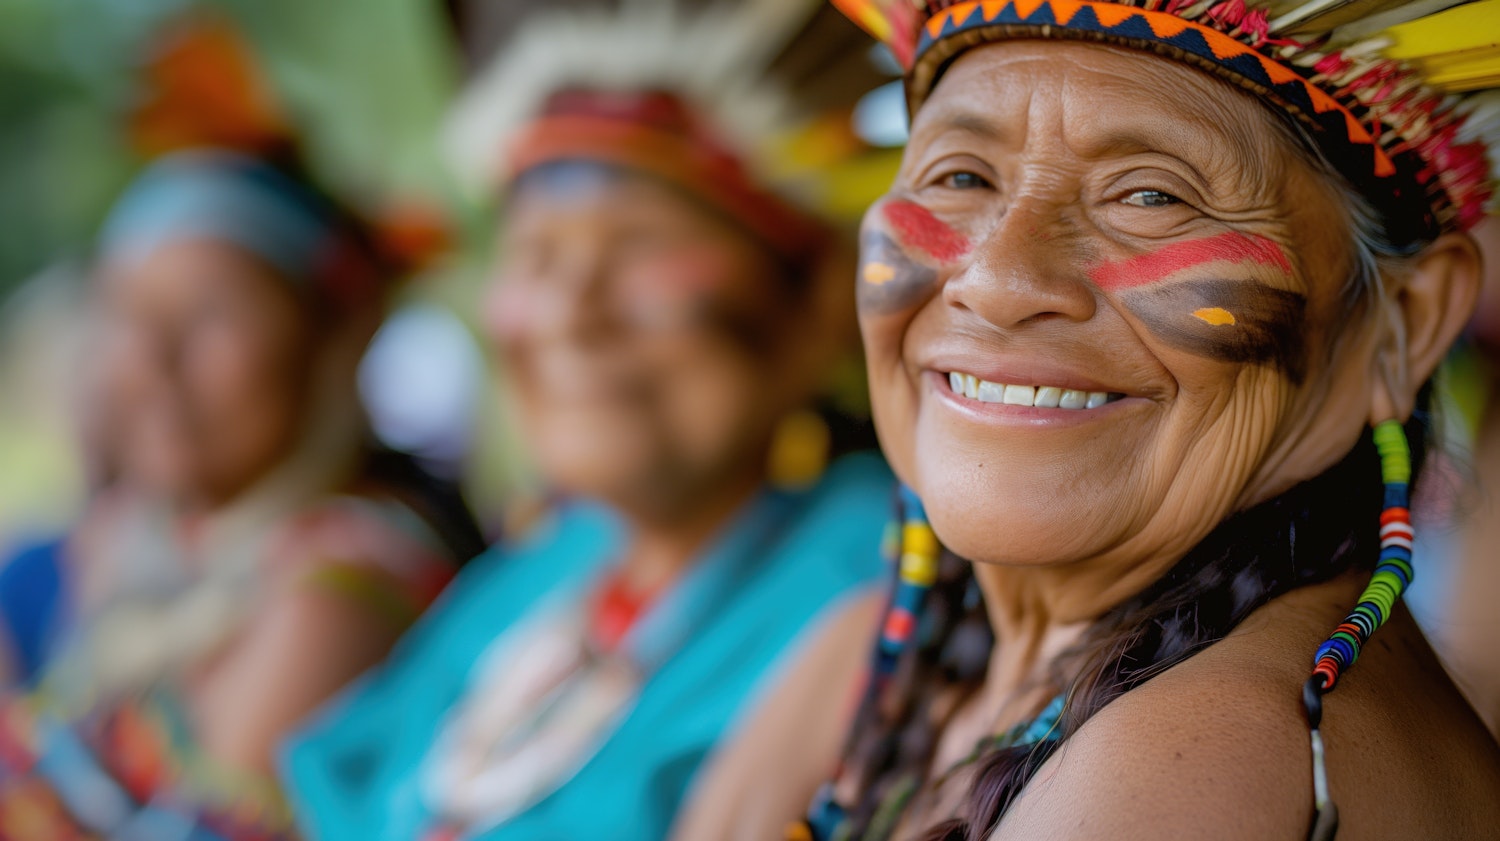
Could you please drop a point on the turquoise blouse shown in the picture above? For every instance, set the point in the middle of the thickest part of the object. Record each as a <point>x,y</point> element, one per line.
<point>352,775</point>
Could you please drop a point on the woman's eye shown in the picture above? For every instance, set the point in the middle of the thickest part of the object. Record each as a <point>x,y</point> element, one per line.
<point>965,181</point>
<point>1151,198</point>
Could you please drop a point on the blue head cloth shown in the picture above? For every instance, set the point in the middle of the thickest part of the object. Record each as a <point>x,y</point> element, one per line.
<point>230,198</point>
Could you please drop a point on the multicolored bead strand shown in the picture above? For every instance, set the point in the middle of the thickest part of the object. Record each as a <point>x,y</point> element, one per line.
<point>1393,574</point>
<point>910,543</point>
<point>917,573</point>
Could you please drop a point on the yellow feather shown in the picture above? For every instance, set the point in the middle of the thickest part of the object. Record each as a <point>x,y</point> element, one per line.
<point>1472,27</point>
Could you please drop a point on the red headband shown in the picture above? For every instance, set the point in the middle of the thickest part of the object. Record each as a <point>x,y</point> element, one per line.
<point>658,135</point>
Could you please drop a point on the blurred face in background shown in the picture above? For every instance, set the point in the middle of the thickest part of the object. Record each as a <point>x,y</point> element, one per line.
<point>205,368</point>
<point>646,339</point>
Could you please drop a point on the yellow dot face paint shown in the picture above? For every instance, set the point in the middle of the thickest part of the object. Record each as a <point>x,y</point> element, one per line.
<point>891,277</point>
<point>879,274</point>
<point>1235,320</point>
<point>1217,316</point>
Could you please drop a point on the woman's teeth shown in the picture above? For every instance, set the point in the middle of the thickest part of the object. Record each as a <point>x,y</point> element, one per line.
<point>1045,396</point>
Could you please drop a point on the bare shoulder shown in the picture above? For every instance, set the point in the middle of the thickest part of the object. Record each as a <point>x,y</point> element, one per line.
<point>1194,753</point>
<point>1218,746</point>
<point>766,774</point>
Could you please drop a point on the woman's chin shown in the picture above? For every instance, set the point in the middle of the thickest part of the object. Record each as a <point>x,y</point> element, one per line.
<point>1022,546</point>
<point>610,474</point>
<point>1011,523</point>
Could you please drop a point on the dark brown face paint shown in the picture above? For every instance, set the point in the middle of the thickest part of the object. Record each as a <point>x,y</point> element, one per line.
<point>1233,320</point>
<point>889,280</point>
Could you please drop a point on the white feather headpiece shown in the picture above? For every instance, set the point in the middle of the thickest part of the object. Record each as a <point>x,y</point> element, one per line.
<point>716,58</point>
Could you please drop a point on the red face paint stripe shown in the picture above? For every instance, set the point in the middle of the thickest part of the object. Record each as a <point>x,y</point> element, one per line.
<point>1231,247</point>
<point>919,229</point>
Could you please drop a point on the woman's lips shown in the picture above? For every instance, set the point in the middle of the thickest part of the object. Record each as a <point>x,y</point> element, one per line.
<point>1036,391</point>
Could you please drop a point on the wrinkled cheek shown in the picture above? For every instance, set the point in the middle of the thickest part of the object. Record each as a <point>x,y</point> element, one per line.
<point>896,427</point>
<point>1232,458</point>
<point>894,392</point>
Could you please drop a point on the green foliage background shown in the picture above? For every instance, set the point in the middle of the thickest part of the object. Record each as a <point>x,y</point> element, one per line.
<point>365,81</point>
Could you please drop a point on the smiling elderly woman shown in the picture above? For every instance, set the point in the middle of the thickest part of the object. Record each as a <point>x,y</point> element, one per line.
<point>1144,285</point>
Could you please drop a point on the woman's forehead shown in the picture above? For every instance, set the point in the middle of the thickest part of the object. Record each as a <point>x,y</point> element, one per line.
<point>565,178</point>
<point>178,273</point>
<point>1099,99</point>
<point>563,190</point>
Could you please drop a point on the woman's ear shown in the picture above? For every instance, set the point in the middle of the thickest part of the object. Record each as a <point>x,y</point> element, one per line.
<point>1423,313</point>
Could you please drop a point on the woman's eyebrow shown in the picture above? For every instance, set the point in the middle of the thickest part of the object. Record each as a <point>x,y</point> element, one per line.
<point>964,120</point>
<point>1120,142</point>
<point>976,124</point>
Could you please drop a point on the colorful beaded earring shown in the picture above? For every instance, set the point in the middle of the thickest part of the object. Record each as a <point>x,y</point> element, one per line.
<point>910,543</point>
<point>918,547</point>
<point>1393,574</point>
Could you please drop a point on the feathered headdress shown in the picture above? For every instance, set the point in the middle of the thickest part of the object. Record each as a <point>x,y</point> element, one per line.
<point>744,104</point>
<point>1399,95</point>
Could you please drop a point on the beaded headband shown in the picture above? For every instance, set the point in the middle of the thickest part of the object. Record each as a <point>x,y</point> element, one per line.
<point>1397,137</point>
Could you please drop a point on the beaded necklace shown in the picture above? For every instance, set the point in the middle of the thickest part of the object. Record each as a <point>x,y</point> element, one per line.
<point>617,608</point>
<point>545,696</point>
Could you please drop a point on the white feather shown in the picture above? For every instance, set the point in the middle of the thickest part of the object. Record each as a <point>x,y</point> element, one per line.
<point>716,58</point>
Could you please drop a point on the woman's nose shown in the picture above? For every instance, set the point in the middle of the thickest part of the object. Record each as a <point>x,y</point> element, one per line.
<point>1025,271</point>
<point>580,308</point>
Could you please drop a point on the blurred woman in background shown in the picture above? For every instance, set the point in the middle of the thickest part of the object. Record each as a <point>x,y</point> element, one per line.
<point>664,320</point>
<point>252,551</point>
